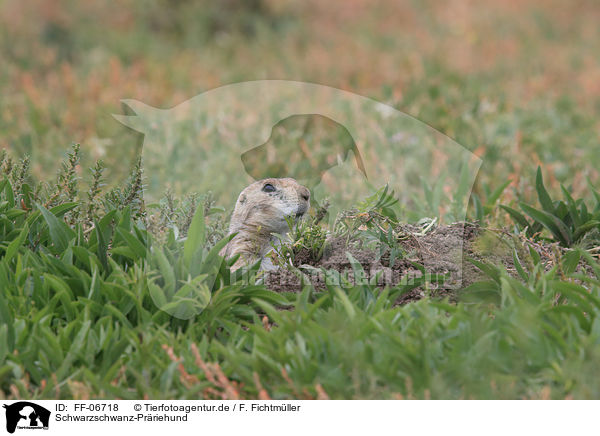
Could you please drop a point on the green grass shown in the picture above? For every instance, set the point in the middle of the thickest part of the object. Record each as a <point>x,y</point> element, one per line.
<point>568,221</point>
<point>81,318</point>
<point>84,260</point>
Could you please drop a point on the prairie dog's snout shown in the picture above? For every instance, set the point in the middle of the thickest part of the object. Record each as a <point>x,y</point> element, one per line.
<point>263,208</point>
<point>302,199</point>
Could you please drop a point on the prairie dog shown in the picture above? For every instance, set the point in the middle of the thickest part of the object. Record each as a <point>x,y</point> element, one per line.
<point>260,211</point>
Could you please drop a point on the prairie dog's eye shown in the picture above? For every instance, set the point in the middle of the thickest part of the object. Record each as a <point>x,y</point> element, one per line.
<point>269,188</point>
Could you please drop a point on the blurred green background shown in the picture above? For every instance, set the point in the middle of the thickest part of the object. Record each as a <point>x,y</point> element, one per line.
<point>517,82</point>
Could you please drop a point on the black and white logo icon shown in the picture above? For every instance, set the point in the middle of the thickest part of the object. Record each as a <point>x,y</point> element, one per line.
<point>26,415</point>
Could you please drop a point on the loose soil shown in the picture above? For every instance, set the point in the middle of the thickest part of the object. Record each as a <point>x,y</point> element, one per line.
<point>442,250</point>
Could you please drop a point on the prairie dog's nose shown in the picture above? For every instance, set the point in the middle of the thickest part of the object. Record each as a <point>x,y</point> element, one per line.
<point>304,193</point>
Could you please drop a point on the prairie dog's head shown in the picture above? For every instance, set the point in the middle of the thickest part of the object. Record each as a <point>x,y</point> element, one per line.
<point>266,204</point>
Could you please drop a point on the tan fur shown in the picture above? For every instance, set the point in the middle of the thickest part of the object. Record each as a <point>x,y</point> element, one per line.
<point>259,214</point>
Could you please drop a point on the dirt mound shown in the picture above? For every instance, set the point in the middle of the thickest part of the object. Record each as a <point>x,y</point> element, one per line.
<point>437,252</point>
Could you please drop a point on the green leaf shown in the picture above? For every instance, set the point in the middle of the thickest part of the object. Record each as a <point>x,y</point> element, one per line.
<point>543,195</point>
<point>74,351</point>
<point>516,216</point>
<point>166,271</point>
<point>63,293</point>
<point>494,196</point>
<point>570,261</point>
<point>583,229</point>
<point>519,267</point>
<point>490,270</point>
<point>102,248</point>
<point>14,246</point>
<point>578,294</point>
<point>132,242</point>
<point>195,236</point>
<point>558,229</point>
<point>576,218</point>
<point>63,208</point>
<point>156,293</point>
<point>27,195</point>
<point>4,349</point>
<point>213,260</point>
<point>591,262</point>
<point>487,291</point>
<point>478,207</point>
<point>535,256</point>
<point>7,319</point>
<point>8,193</point>
<point>118,314</point>
<point>573,311</point>
<point>346,303</point>
<point>60,233</point>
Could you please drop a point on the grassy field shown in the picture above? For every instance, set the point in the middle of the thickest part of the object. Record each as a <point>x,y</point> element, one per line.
<point>87,259</point>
